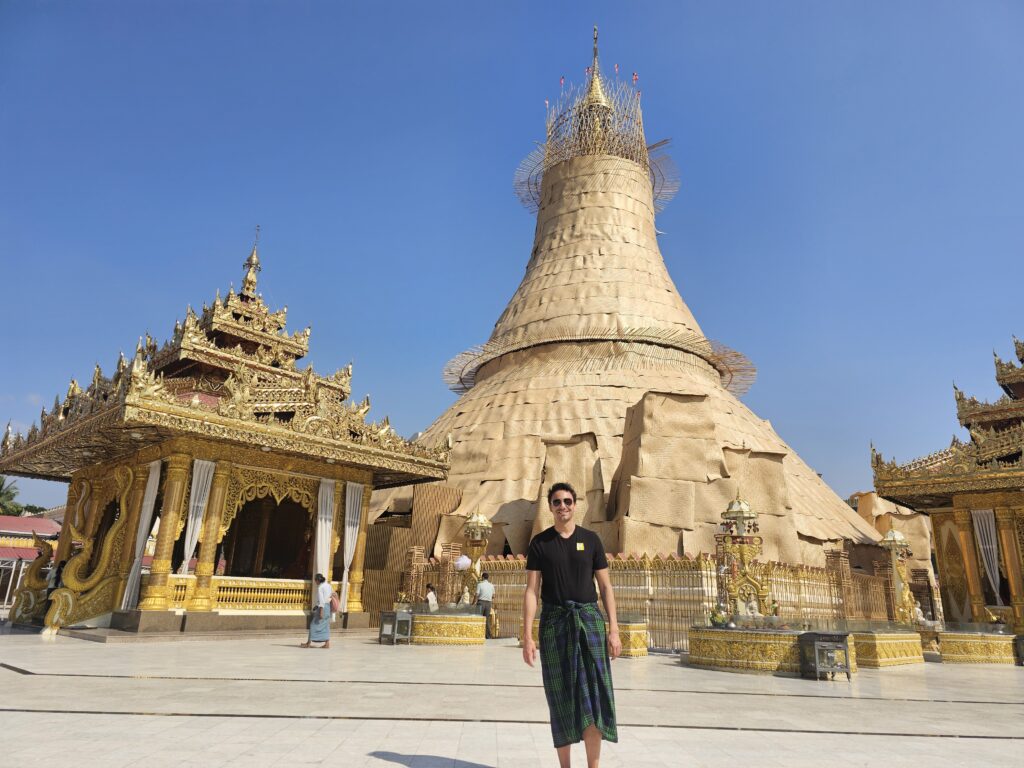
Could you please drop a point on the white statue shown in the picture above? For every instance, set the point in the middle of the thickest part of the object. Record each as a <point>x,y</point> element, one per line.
<point>920,618</point>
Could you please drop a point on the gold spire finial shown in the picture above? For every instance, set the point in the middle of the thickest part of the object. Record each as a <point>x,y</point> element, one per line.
<point>595,89</point>
<point>252,268</point>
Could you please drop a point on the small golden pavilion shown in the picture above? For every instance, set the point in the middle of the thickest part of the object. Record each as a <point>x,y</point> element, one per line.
<point>253,473</point>
<point>974,493</point>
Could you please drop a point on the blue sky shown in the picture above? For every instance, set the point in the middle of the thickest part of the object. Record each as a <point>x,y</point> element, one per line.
<point>852,175</point>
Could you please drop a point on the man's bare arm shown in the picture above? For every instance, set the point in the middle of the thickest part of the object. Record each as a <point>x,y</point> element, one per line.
<point>530,598</point>
<point>604,586</point>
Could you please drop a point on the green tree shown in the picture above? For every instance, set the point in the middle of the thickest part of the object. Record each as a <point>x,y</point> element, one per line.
<point>8,494</point>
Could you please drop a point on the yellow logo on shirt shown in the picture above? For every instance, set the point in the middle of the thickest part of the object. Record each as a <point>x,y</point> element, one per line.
<point>579,546</point>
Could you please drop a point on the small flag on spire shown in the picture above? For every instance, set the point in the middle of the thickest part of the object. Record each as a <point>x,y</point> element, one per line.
<point>616,69</point>
<point>587,71</point>
<point>547,104</point>
<point>636,77</point>
<point>561,81</point>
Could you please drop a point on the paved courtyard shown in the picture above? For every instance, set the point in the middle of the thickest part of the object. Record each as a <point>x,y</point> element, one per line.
<point>265,702</point>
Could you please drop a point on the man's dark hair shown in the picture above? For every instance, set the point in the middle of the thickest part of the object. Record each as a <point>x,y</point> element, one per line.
<point>430,587</point>
<point>485,576</point>
<point>319,578</point>
<point>561,487</point>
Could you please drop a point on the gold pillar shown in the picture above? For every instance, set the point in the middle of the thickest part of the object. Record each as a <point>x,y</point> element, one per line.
<point>965,529</point>
<point>1006,528</point>
<point>154,596</point>
<point>210,537</point>
<point>141,475</point>
<point>355,574</point>
<point>261,544</point>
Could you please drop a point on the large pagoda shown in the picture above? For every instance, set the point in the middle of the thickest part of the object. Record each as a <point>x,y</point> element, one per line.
<point>257,471</point>
<point>598,373</point>
<point>974,493</point>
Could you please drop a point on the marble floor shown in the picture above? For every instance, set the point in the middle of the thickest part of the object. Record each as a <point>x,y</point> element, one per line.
<point>266,702</point>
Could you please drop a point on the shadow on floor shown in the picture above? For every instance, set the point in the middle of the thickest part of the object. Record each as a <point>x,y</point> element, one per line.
<point>425,761</point>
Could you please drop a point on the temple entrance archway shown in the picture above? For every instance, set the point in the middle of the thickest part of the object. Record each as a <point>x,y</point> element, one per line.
<point>270,539</point>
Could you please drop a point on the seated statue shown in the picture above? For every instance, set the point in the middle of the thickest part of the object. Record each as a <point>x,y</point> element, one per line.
<point>465,599</point>
<point>920,619</point>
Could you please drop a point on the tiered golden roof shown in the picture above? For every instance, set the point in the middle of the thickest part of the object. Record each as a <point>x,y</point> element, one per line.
<point>230,374</point>
<point>991,460</point>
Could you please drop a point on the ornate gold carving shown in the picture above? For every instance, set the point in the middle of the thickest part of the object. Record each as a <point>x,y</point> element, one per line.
<point>876,649</point>
<point>971,648</point>
<point>735,649</point>
<point>439,629</point>
<point>993,460</point>
<point>240,385</point>
<point>30,599</point>
<point>952,575</point>
<point>84,597</point>
<point>633,636</point>
<point>248,483</point>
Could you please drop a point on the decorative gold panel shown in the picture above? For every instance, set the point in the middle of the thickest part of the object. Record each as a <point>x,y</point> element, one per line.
<point>892,649</point>
<point>738,650</point>
<point>971,648</point>
<point>248,483</point>
<point>438,629</point>
<point>633,636</point>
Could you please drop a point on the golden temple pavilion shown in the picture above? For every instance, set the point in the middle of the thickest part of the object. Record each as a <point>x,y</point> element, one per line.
<point>253,473</point>
<point>974,493</point>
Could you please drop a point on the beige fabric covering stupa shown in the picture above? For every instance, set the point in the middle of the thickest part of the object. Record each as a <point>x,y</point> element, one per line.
<point>598,374</point>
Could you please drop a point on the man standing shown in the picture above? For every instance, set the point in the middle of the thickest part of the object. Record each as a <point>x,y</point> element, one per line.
<point>484,597</point>
<point>575,646</point>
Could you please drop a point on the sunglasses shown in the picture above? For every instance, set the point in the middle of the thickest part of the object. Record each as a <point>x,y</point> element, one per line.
<point>560,502</point>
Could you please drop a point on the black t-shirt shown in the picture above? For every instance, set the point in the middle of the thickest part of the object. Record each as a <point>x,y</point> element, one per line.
<point>567,565</point>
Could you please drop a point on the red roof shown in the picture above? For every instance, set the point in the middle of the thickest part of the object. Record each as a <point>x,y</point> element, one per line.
<point>17,553</point>
<point>26,525</point>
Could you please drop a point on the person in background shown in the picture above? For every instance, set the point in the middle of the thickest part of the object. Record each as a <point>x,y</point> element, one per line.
<point>484,598</point>
<point>54,579</point>
<point>431,598</point>
<point>320,623</point>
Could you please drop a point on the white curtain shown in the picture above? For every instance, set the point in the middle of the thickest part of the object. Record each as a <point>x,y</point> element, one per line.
<point>353,513</point>
<point>202,474</point>
<point>324,528</point>
<point>131,590</point>
<point>985,531</point>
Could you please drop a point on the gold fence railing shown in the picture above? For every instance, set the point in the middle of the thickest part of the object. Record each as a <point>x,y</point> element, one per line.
<point>867,598</point>
<point>509,580</point>
<point>803,593</point>
<point>242,593</point>
<point>671,594</point>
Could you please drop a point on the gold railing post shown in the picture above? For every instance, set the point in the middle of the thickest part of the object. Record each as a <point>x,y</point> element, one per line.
<point>154,597</point>
<point>141,476</point>
<point>965,529</point>
<point>202,599</point>
<point>1012,560</point>
<point>355,576</point>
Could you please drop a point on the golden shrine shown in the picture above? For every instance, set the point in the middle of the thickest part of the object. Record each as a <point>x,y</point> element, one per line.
<point>266,469</point>
<point>974,493</point>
